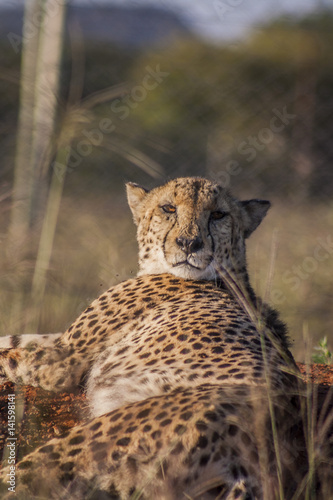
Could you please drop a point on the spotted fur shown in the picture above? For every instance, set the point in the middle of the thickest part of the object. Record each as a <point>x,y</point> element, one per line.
<point>178,364</point>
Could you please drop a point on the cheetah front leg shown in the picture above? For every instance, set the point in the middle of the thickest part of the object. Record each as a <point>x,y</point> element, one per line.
<point>34,339</point>
<point>12,352</point>
<point>38,360</point>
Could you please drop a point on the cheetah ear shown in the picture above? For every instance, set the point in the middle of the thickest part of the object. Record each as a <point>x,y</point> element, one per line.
<point>135,196</point>
<point>253,213</point>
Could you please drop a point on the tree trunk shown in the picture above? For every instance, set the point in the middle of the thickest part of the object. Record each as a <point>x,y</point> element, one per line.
<point>41,56</point>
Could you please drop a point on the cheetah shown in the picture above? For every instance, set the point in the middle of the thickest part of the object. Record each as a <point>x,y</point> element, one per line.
<point>189,379</point>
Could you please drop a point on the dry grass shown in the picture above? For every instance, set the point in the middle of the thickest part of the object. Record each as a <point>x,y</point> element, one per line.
<point>304,304</point>
<point>94,248</point>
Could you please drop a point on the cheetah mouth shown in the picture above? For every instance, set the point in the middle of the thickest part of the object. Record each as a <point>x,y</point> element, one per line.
<point>187,263</point>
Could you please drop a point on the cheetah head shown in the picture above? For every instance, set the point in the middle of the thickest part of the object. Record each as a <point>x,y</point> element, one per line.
<point>192,228</point>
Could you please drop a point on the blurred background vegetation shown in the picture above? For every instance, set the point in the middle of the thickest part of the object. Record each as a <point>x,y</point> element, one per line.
<point>94,95</point>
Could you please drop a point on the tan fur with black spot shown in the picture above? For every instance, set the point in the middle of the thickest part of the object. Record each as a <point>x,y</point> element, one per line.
<point>186,337</point>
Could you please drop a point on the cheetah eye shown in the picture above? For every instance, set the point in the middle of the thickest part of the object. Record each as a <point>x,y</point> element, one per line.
<point>218,215</point>
<point>169,209</point>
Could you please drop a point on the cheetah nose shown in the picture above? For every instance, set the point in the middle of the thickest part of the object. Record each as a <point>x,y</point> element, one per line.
<point>190,245</point>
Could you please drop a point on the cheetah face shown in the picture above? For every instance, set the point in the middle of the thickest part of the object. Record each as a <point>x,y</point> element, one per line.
<point>192,228</point>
